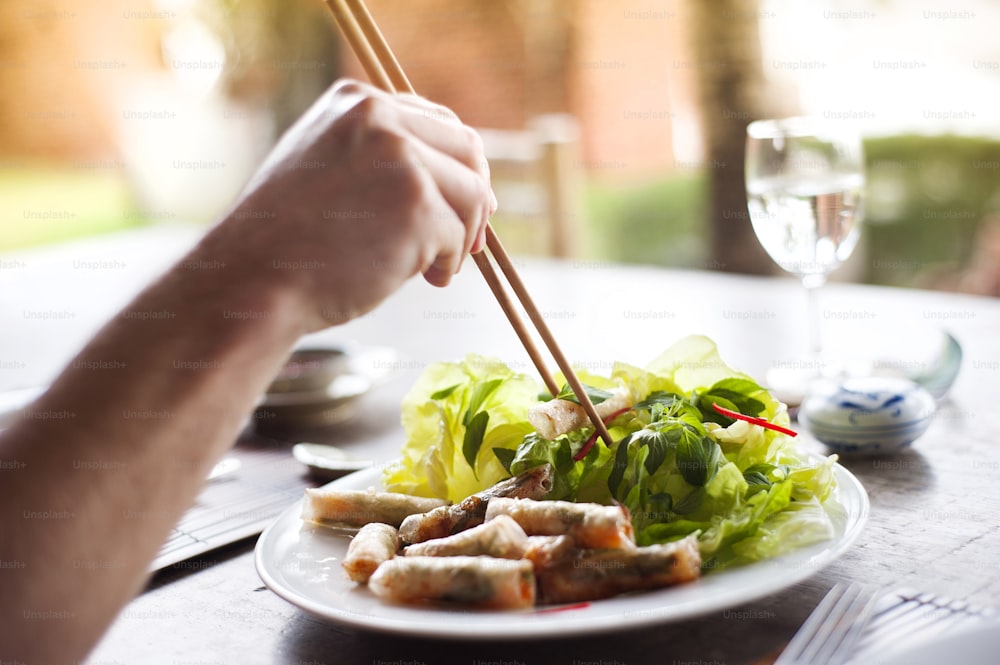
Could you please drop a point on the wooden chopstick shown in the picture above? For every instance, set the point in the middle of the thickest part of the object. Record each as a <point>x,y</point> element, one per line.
<point>380,46</point>
<point>371,48</point>
<point>356,22</point>
<point>351,29</point>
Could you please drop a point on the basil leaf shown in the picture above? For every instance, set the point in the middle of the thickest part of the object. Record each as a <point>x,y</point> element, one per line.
<point>661,504</point>
<point>709,413</point>
<point>658,444</point>
<point>735,391</point>
<point>620,466</point>
<point>738,385</point>
<point>473,439</point>
<point>762,467</point>
<point>445,392</point>
<point>479,394</point>
<point>506,457</point>
<point>596,395</point>
<point>745,405</point>
<point>669,406</point>
<point>690,503</point>
<point>756,482</point>
<point>697,459</point>
<point>658,397</point>
<point>535,451</point>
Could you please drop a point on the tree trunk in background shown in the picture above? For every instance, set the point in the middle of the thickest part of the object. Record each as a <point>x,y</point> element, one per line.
<point>281,54</point>
<point>730,81</point>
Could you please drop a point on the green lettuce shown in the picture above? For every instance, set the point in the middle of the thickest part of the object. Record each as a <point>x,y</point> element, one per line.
<point>677,464</point>
<point>443,456</point>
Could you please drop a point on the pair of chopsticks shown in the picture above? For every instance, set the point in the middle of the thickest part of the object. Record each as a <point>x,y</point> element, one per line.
<point>370,47</point>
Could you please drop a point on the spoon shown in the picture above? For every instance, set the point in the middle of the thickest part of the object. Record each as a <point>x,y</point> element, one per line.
<point>328,462</point>
<point>943,370</point>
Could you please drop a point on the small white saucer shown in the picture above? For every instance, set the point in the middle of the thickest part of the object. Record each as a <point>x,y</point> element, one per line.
<point>327,462</point>
<point>358,370</point>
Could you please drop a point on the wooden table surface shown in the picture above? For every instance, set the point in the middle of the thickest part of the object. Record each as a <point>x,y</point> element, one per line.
<point>935,511</point>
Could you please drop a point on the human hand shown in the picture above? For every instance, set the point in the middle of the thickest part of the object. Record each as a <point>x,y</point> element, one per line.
<point>366,190</point>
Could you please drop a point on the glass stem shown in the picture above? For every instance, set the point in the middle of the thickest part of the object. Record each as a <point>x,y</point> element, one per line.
<point>812,284</point>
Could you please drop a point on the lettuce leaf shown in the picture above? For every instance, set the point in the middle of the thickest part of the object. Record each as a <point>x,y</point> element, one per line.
<point>436,415</point>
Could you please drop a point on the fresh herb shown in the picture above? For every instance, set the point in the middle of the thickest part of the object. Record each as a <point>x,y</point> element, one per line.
<point>475,421</point>
<point>506,457</point>
<point>480,392</point>
<point>734,394</point>
<point>444,393</point>
<point>763,476</point>
<point>475,430</point>
<point>596,395</point>
<point>697,457</point>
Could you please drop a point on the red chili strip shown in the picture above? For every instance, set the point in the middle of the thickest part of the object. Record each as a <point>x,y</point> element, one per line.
<point>736,415</point>
<point>563,608</point>
<point>593,437</point>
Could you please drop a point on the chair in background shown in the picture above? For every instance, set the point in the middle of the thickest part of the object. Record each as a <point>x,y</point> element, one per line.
<point>537,176</point>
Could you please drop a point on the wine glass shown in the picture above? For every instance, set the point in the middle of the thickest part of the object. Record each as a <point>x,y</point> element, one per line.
<point>804,182</point>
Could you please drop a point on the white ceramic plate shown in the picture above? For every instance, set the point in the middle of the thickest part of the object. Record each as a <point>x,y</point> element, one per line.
<point>301,563</point>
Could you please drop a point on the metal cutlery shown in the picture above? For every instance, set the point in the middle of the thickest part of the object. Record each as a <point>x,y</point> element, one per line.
<point>829,634</point>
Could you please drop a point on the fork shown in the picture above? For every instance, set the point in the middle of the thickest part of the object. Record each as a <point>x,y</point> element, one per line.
<point>833,628</point>
<point>906,616</point>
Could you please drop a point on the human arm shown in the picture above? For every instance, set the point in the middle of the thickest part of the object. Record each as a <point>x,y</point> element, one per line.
<point>363,193</point>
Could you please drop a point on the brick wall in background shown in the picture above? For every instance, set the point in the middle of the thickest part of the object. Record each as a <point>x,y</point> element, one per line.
<point>466,54</point>
<point>632,82</point>
<point>620,67</point>
<point>62,67</point>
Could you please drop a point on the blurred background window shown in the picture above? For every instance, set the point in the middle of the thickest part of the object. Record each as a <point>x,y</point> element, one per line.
<point>120,114</point>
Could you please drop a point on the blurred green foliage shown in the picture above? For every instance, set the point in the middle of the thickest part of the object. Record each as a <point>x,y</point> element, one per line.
<point>926,198</point>
<point>659,222</point>
<point>40,205</point>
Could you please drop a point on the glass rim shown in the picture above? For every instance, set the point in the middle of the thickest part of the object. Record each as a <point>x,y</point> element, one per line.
<point>794,126</point>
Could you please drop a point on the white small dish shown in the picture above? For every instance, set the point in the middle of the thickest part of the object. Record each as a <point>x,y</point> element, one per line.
<point>309,369</point>
<point>328,462</point>
<point>868,415</point>
<point>327,392</point>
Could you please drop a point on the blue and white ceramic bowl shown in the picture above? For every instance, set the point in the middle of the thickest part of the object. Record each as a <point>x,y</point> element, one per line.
<point>868,415</point>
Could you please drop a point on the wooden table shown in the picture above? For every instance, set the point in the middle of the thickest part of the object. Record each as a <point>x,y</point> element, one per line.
<point>933,525</point>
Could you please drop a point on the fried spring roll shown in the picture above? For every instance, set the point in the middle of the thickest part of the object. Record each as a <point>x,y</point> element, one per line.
<point>596,574</point>
<point>473,581</point>
<point>448,520</point>
<point>556,417</point>
<point>500,537</point>
<point>546,551</point>
<point>374,544</point>
<point>590,525</point>
<point>360,507</point>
